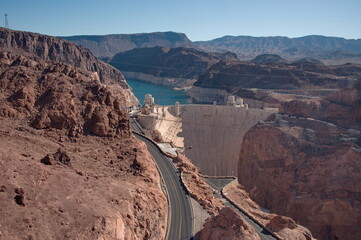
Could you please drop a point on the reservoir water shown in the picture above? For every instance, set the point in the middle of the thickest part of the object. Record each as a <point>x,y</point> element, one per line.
<point>163,95</point>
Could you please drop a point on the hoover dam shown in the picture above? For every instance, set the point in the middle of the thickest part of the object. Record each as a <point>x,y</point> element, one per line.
<point>211,135</point>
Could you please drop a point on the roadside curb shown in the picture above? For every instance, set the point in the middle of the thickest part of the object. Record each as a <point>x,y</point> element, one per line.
<point>156,145</point>
<point>275,235</point>
<point>190,204</point>
<point>181,181</point>
<point>216,177</point>
<point>164,187</point>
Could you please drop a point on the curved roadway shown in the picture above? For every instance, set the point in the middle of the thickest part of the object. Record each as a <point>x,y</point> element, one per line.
<point>180,225</point>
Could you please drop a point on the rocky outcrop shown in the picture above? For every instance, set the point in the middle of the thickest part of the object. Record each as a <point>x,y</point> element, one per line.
<point>309,171</point>
<point>109,45</point>
<point>196,186</point>
<point>342,107</point>
<point>284,227</point>
<point>58,50</point>
<point>227,225</point>
<point>332,50</point>
<point>272,82</point>
<point>179,67</point>
<point>56,95</point>
<point>232,76</point>
<point>269,59</point>
<point>70,167</point>
<point>99,195</point>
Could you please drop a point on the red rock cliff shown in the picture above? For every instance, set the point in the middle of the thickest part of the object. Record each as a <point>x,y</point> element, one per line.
<point>307,170</point>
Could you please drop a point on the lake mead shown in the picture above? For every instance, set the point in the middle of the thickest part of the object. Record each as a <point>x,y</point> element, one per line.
<point>163,95</point>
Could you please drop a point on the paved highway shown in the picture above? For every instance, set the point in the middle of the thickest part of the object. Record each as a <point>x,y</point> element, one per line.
<point>180,226</point>
<point>181,218</point>
<point>218,184</point>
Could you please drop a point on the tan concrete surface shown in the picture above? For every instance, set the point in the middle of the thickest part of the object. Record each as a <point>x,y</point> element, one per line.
<point>213,135</point>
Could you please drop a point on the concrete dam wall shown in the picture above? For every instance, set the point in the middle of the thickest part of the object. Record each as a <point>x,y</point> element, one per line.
<point>213,135</point>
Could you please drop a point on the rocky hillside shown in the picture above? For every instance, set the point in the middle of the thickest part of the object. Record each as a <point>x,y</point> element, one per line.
<point>310,171</point>
<point>55,49</point>
<point>182,66</point>
<point>70,167</point>
<point>234,76</point>
<point>331,50</point>
<point>342,108</point>
<point>269,59</point>
<point>109,45</point>
<point>227,225</point>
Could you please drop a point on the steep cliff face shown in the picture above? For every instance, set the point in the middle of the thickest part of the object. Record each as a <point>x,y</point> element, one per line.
<point>58,50</point>
<point>109,45</point>
<point>183,65</point>
<point>70,167</point>
<point>342,108</point>
<point>309,171</point>
<point>283,226</point>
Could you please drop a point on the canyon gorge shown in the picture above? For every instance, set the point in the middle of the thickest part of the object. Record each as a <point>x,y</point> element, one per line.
<point>73,169</point>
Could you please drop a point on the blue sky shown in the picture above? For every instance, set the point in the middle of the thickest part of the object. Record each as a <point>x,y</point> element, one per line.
<point>199,19</point>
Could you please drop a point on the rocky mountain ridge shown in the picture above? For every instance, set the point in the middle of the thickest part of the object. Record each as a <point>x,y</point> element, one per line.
<point>179,67</point>
<point>330,50</point>
<point>58,50</point>
<point>342,108</point>
<point>70,167</point>
<point>109,45</point>
<point>304,77</point>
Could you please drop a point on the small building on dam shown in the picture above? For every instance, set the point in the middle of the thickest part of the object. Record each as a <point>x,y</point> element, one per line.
<point>211,135</point>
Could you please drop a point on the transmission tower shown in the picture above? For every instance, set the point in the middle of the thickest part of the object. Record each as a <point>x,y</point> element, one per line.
<point>6,21</point>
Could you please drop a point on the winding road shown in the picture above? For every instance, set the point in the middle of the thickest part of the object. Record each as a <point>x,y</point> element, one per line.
<point>180,225</point>
<point>180,214</point>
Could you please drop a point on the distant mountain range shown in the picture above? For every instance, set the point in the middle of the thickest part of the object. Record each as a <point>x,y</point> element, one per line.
<point>329,50</point>
<point>180,62</point>
<point>262,73</point>
<point>104,46</point>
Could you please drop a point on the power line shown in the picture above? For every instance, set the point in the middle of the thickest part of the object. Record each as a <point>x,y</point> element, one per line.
<point>6,21</point>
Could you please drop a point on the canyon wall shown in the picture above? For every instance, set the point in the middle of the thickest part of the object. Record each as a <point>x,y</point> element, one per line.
<point>308,170</point>
<point>59,50</point>
<point>212,135</point>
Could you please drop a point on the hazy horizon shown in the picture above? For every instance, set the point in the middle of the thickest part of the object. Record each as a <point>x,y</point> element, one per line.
<point>108,34</point>
<point>200,20</point>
